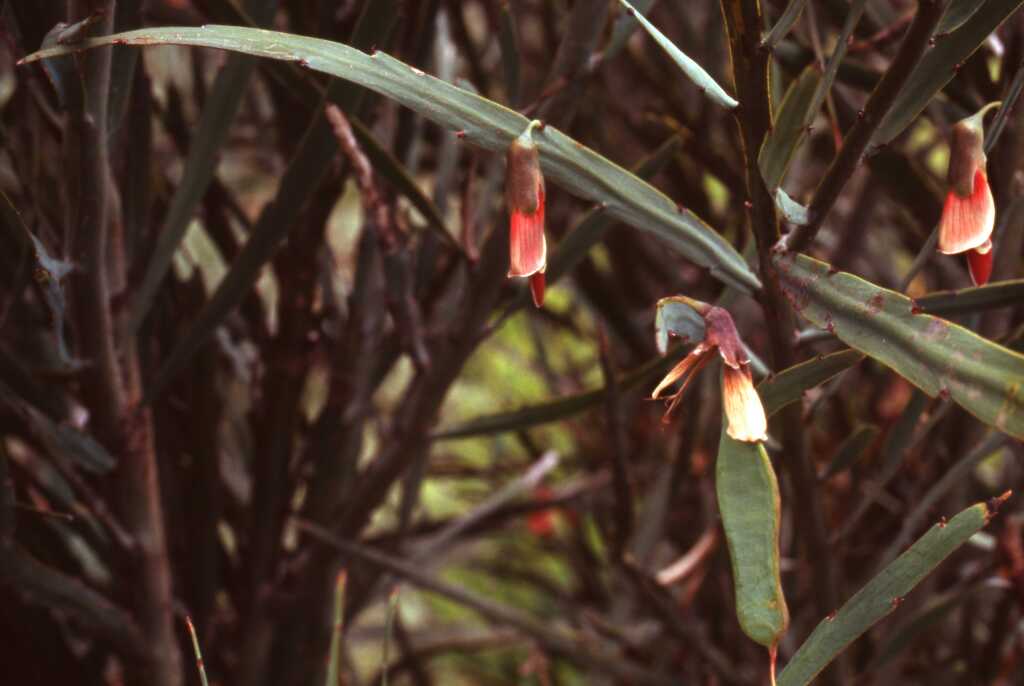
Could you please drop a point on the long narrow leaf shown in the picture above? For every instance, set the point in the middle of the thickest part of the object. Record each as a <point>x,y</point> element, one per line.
<point>776,392</point>
<point>483,122</point>
<point>939,66</point>
<point>693,71</point>
<point>935,355</point>
<point>748,498</point>
<point>881,595</point>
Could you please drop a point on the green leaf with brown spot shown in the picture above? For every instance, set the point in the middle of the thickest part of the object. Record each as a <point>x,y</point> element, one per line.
<point>934,354</point>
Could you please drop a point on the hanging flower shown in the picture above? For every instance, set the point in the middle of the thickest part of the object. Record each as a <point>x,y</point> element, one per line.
<point>524,194</point>
<point>743,408</point>
<point>969,212</point>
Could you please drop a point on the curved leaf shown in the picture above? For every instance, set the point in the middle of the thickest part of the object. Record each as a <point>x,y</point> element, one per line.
<point>935,355</point>
<point>693,71</point>
<point>483,122</point>
<point>939,66</point>
<point>881,595</point>
<point>748,498</point>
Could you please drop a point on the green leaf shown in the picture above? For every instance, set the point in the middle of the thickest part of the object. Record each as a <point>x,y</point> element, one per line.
<point>935,355</point>
<point>790,127</point>
<point>784,23</point>
<point>748,498</point>
<point>788,385</point>
<point>939,66</point>
<point>545,413</point>
<point>592,229</point>
<point>200,167</point>
<point>801,104</point>
<point>976,299</point>
<point>485,123</point>
<point>881,595</point>
<point>674,318</point>
<point>776,392</point>
<point>693,71</point>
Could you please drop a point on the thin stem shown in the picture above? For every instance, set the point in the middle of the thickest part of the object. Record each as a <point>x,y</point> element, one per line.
<point>868,120</point>
<point>754,119</point>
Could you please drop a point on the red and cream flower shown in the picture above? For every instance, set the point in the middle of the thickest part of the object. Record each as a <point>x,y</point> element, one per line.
<point>743,409</point>
<point>524,194</point>
<point>969,213</point>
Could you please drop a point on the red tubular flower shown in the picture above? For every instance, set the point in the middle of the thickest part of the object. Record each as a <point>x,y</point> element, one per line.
<point>743,408</point>
<point>524,194</point>
<point>969,213</point>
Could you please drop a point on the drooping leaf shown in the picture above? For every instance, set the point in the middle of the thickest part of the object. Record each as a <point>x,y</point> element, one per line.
<point>673,318</point>
<point>881,595</point>
<point>748,499</point>
<point>693,71</point>
<point>939,66</point>
<point>935,355</point>
<point>483,122</point>
<point>976,299</point>
<point>592,229</point>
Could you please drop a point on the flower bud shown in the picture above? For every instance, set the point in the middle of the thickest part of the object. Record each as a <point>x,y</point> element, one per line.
<point>969,212</point>
<point>524,194</point>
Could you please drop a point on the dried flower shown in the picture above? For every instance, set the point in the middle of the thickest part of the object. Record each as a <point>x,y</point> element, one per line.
<point>743,408</point>
<point>524,194</point>
<point>969,213</point>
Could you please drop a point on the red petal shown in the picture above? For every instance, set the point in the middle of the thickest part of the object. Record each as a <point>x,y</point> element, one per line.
<point>979,263</point>
<point>537,288</point>
<point>528,250</point>
<point>967,221</point>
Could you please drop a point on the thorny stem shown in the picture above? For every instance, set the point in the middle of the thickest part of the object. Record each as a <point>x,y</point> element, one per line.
<point>754,119</point>
<point>869,119</point>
